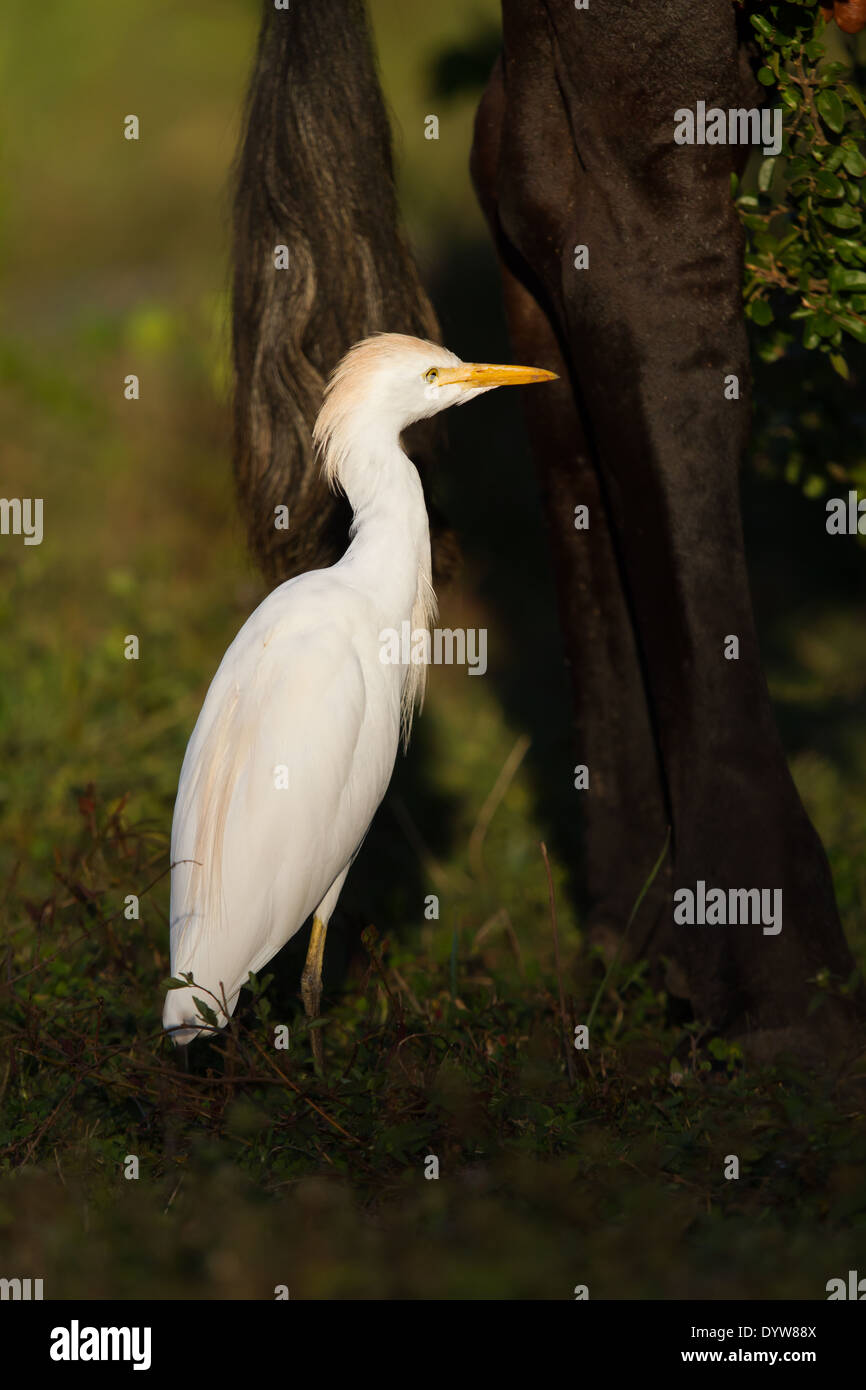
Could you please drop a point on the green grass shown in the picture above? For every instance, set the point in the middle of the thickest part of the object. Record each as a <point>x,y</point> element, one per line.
<point>255,1173</point>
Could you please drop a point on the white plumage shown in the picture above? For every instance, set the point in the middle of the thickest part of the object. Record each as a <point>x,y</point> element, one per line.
<point>296,741</point>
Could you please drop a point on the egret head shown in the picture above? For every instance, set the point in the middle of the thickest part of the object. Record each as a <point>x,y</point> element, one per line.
<point>387,382</point>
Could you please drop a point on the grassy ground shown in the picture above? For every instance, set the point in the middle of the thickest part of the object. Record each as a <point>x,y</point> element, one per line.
<point>444,1037</point>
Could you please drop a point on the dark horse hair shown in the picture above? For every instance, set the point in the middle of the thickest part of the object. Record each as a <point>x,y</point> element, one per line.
<point>314,174</point>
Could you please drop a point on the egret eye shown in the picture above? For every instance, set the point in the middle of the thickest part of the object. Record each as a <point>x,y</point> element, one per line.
<point>432,376</point>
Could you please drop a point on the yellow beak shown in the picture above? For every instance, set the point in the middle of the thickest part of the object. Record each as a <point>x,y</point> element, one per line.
<point>472,374</point>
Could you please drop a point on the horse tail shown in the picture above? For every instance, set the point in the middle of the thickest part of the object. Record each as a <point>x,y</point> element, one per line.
<point>314,176</point>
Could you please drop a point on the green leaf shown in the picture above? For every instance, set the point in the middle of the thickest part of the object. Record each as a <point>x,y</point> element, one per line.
<point>838,363</point>
<point>762,25</point>
<point>849,250</point>
<point>828,184</point>
<point>797,167</point>
<point>765,76</point>
<point>841,279</point>
<point>845,217</point>
<point>855,163</point>
<point>858,101</point>
<point>206,1012</point>
<point>830,106</point>
<point>856,327</point>
<point>760,312</point>
<point>814,485</point>
<point>765,174</point>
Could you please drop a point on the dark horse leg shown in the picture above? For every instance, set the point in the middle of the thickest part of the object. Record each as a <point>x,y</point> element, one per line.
<point>575,147</point>
<point>626,815</point>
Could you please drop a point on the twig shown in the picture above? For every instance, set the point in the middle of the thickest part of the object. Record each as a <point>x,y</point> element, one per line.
<point>491,805</point>
<point>565,1035</point>
<point>292,1086</point>
<point>501,918</point>
<point>638,900</point>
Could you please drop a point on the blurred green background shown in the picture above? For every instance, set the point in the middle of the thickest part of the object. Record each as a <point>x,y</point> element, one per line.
<point>114,261</point>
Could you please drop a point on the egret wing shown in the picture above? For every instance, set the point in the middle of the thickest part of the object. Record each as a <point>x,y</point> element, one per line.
<point>288,762</point>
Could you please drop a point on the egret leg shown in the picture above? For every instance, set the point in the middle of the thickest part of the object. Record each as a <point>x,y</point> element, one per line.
<point>311,985</point>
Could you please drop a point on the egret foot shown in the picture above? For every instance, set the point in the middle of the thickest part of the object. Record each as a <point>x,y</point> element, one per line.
<point>311,986</point>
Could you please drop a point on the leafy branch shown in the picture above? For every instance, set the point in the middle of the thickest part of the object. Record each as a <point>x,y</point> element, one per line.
<point>804,221</point>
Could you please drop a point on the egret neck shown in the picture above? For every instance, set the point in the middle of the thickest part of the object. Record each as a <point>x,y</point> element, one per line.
<point>388,557</point>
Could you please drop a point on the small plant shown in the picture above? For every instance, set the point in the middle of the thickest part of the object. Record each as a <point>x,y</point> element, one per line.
<point>805,257</point>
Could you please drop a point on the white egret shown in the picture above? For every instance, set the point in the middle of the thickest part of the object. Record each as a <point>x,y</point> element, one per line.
<point>296,741</point>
